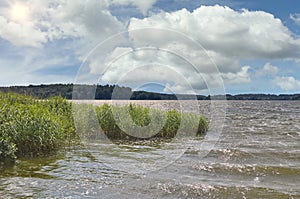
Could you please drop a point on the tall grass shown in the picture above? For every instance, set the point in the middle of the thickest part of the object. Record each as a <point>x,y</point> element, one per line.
<point>31,127</point>
<point>133,122</point>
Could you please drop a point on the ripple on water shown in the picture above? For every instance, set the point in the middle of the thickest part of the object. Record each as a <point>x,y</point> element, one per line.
<point>182,190</point>
<point>257,156</point>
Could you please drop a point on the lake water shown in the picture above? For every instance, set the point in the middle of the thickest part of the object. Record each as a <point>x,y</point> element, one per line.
<point>257,156</point>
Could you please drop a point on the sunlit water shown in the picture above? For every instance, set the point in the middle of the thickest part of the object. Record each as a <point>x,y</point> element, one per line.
<point>257,156</point>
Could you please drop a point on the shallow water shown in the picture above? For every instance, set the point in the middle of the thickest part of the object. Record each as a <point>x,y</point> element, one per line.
<point>257,156</point>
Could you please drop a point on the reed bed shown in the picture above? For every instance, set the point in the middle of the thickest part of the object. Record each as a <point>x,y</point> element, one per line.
<point>126,122</point>
<point>32,127</point>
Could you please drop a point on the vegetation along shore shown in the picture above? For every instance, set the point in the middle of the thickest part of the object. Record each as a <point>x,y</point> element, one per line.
<point>34,127</point>
<point>103,92</point>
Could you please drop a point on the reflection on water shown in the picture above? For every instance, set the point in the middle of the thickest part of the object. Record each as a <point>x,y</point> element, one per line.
<point>258,156</point>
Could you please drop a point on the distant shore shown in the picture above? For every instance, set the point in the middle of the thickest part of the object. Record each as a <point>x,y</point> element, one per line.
<point>108,92</point>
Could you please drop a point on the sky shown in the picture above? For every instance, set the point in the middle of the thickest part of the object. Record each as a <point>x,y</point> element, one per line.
<point>172,46</point>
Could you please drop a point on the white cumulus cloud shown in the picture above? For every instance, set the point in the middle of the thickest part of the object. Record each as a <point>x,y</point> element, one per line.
<point>287,83</point>
<point>59,19</point>
<point>25,34</point>
<point>240,77</point>
<point>241,34</point>
<point>228,37</point>
<point>268,70</point>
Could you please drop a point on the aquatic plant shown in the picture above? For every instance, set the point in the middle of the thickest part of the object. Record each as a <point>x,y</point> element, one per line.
<point>116,121</point>
<point>32,127</point>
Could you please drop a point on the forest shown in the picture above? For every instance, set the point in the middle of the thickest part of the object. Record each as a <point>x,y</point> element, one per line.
<point>106,92</point>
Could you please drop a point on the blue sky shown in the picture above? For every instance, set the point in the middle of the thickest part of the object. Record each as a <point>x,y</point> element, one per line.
<point>248,46</point>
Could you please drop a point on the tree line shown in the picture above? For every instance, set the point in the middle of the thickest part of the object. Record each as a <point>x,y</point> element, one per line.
<point>107,92</point>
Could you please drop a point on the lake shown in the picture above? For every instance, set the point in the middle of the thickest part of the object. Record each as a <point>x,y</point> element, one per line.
<point>257,156</point>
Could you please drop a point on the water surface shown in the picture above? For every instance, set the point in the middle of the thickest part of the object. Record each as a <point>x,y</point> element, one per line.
<point>257,156</point>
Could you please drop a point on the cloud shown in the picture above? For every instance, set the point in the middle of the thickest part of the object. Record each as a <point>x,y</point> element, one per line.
<point>74,27</point>
<point>228,37</point>
<point>245,34</point>
<point>142,5</point>
<point>151,63</point>
<point>240,77</point>
<point>22,34</point>
<point>36,66</point>
<point>60,19</point>
<point>61,32</point>
<point>140,66</point>
<point>287,83</point>
<point>295,18</point>
<point>85,19</point>
<point>268,70</point>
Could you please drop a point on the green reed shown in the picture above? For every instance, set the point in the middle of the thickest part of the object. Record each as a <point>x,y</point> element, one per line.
<point>117,121</point>
<point>32,127</point>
